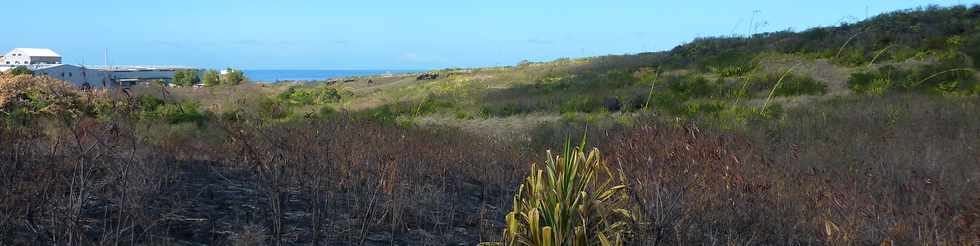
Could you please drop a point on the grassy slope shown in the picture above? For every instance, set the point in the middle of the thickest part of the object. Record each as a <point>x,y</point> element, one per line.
<point>836,168</point>
<point>519,97</point>
<point>542,91</point>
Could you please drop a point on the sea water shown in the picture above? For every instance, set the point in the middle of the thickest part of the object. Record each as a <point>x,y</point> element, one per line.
<point>271,76</point>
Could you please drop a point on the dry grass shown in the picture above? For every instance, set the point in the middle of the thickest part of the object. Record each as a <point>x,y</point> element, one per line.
<point>892,169</point>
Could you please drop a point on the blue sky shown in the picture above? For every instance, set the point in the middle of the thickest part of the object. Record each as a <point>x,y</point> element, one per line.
<point>419,34</point>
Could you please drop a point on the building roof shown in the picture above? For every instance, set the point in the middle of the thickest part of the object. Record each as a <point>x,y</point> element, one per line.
<point>120,68</point>
<point>35,52</point>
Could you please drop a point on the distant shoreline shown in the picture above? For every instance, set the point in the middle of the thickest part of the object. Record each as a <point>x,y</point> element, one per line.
<point>280,75</point>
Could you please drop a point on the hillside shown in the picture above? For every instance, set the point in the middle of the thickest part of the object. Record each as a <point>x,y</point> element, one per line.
<point>864,133</point>
<point>931,50</point>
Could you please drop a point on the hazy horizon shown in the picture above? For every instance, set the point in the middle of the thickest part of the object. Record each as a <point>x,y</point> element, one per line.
<point>300,35</point>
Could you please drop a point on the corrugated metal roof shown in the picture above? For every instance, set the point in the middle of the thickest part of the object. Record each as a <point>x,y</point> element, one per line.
<point>35,52</point>
<point>140,67</point>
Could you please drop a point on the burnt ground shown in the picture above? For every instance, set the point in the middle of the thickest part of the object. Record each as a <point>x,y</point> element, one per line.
<point>213,205</point>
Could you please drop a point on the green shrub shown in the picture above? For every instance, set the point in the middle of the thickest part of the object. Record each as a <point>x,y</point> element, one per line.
<point>233,77</point>
<point>794,85</point>
<point>388,113</point>
<point>790,85</point>
<point>149,103</point>
<point>327,111</point>
<point>300,95</point>
<point>187,112</point>
<point>186,78</point>
<point>734,70</point>
<point>634,103</point>
<point>949,75</point>
<point>463,115</point>
<point>666,101</point>
<point>692,87</point>
<point>211,78</point>
<point>20,70</point>
<point>705,108</point>
<point>581,104</point>
<point>853,57</point>
<point>618,78</point>
<point>269,108</point>
<point>504,110</point>
<point>231,115</point>
<point>432,105</point>
<point>575,199</point>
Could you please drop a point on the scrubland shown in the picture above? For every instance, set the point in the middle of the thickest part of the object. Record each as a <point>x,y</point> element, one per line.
<point>863,133</point>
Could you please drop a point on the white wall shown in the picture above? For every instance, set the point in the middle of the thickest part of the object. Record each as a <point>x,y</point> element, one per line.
<point>75,75</point>
<point>165,75</point>
<point>96,78</point>
<point>16,57</point>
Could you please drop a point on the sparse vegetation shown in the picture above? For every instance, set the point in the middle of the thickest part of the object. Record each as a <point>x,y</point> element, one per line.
<point>771,139</point>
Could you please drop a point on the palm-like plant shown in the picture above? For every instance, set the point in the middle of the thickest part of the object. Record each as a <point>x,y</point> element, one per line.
<point>572,201</point>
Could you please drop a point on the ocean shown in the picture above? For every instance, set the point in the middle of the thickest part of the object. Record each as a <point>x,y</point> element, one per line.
<point>270,76</point>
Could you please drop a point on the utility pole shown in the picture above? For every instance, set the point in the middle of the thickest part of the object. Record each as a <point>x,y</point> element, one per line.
<point>108,69</point>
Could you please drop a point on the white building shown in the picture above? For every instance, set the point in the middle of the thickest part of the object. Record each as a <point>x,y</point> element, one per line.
<point>45,62</point>
<point>31,56</point>
<point>76,75</point>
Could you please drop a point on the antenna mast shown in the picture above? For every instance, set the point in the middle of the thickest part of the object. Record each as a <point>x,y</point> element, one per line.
<point>108,69</point>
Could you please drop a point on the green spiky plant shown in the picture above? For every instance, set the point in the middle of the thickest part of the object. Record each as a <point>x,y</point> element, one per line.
<point>574,200</point>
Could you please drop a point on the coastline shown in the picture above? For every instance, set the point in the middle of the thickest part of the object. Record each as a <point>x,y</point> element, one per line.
<point>309,75</point>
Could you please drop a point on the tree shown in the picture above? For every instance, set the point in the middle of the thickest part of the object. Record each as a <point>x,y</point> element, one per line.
<point>233,77</point>
<point>21,70</point>
<point>186,78</point>
<point>211,78</point>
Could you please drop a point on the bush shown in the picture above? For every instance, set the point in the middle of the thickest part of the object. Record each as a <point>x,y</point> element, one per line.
<point>37,95</point>
<point>508,109</point>
<point>612,104</point>
<point>692,87</point>
<point>298,95</point>
<point>635,103</point>
<point>666,101</point>
<point>149,103</point>
<point>186,78</point>
<point>574,200</point>
<point>580,104</point>
<point>211,78</point>
<point>794,85</point>
<point>176,113</point>
<point>20,70</point>
<point>386,113</point>
<point>735,70</point>
<point>694,109</point>
<point>273,109</point>
<point>951,75</point>
<point>791,85</point>
<point>233,77</point>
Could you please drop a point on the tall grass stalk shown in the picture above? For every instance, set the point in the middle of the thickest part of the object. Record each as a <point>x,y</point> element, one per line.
<point>841,49</point>
<point>778,83</point>
<point>944,72</point>
<point>745,84</point>
<point>646,106</point>
<point>878,54</point>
